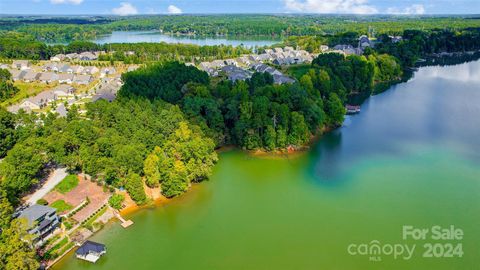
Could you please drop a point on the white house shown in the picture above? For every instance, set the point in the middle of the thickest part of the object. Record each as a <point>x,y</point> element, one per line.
<point>48,77</point>
<point>65,78</point>
<point>63,91</point>
<point>21,64</point>
<point>82,79</point>
<point>90,70</point>
<point>31,76</point>
<point>57,58</point>
<point>107,71</point>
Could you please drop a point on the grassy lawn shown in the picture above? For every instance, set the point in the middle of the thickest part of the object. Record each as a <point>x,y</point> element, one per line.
<point>61,206</point>
<point>67,184</point>
<point>25,90</point>
<point>89,222</point>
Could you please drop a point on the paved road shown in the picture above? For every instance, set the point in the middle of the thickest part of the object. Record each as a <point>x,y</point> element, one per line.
<point>53,179</point>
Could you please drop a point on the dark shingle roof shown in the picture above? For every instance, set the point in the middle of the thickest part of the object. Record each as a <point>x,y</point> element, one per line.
<point>88,247</point>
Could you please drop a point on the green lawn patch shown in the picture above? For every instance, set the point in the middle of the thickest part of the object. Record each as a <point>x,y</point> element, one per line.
<point>88,223</point>
<point>61,206</point>
<point>67,184</point>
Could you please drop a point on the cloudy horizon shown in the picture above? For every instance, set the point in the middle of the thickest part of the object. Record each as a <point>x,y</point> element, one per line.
<point>175,7</point>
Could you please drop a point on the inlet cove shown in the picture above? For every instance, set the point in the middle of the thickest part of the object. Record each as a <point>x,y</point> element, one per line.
<point>409,162</point>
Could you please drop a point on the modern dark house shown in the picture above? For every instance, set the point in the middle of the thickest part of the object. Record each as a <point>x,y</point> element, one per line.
<point>42,221</point>
<point>90,251</point>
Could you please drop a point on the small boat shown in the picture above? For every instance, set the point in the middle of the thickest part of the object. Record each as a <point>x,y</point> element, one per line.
<point>352,109</point>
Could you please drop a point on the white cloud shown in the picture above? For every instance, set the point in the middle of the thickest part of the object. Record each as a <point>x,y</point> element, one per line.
<point>330,6</point>
<point>75,2</point>
<point>125,9</point>
<point>413,9</point>
<point>174,10</point>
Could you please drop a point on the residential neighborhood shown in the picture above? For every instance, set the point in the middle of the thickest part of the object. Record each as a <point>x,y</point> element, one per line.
<point>65,82</point>
<point>242,68</point>
<point>63,76</point>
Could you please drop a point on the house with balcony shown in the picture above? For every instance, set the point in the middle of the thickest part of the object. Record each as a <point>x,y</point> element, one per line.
<point>42,221</point>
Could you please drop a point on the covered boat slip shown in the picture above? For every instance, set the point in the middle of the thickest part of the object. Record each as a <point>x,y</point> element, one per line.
<point>90,251</point>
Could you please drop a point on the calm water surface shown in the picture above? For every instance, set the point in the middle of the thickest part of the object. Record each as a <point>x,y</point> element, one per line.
<point>155,36</point>
<point>410,158</point>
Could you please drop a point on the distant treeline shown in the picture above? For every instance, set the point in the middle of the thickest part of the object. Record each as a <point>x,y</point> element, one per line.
<point>60,29</point>
<point>415,44</point>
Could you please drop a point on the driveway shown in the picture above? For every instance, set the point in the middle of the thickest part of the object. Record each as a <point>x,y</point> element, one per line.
<point>53,179</point>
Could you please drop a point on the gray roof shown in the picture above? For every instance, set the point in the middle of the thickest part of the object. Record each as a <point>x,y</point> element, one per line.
<point>64,77</point>
<point>90,247</point>
<point>34,212</point>
<point>43,98</point>
<point>17,74</point>
<point>342,47</point>
<point>48,76</point>
<point>281,79</point>
<point>63,87</point>
<point>31,75</point>
<point>63,68</point>
<point>83,78</point>
<point>61,110</point>
<point>108,96</point>
<point>21,62</point>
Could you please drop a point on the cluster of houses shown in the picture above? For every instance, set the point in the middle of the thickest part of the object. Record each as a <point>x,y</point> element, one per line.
<point>45,98</point>
<point>235,73</point>
<point>66,75</point>
<point>22,70</point>
<point>243,67</point>
<point>64,96</point>
<point>107,89</point>
<point>84,56</point>
<point>346,49</point>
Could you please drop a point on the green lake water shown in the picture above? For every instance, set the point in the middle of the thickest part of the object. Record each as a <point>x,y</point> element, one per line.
<point>410,158</point>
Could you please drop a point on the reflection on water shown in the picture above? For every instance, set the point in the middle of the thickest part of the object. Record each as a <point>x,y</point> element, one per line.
<point>462,73</point>
<point>155,36</point>
<point>438,107</point>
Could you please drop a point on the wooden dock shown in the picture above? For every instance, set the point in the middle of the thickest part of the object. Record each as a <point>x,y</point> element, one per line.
<point>125,223</point>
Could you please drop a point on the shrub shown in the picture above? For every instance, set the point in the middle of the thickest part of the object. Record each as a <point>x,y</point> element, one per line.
<point>116,201</point>
<point>42,202</point>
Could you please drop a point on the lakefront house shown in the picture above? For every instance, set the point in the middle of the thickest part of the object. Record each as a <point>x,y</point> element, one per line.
<point>42,221</point>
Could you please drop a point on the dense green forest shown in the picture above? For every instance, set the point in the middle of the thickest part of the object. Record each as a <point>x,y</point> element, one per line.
<point>119,144</point>
<point>417,44</point>
<point>256,114</point>
<point>61,29</point>
<point>7,89</point>
<point>111,143</point>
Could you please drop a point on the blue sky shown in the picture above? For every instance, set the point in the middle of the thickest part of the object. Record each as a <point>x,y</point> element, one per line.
<point>130,7</point>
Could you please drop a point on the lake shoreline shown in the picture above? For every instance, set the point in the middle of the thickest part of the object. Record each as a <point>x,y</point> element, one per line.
<point>132,209</point>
